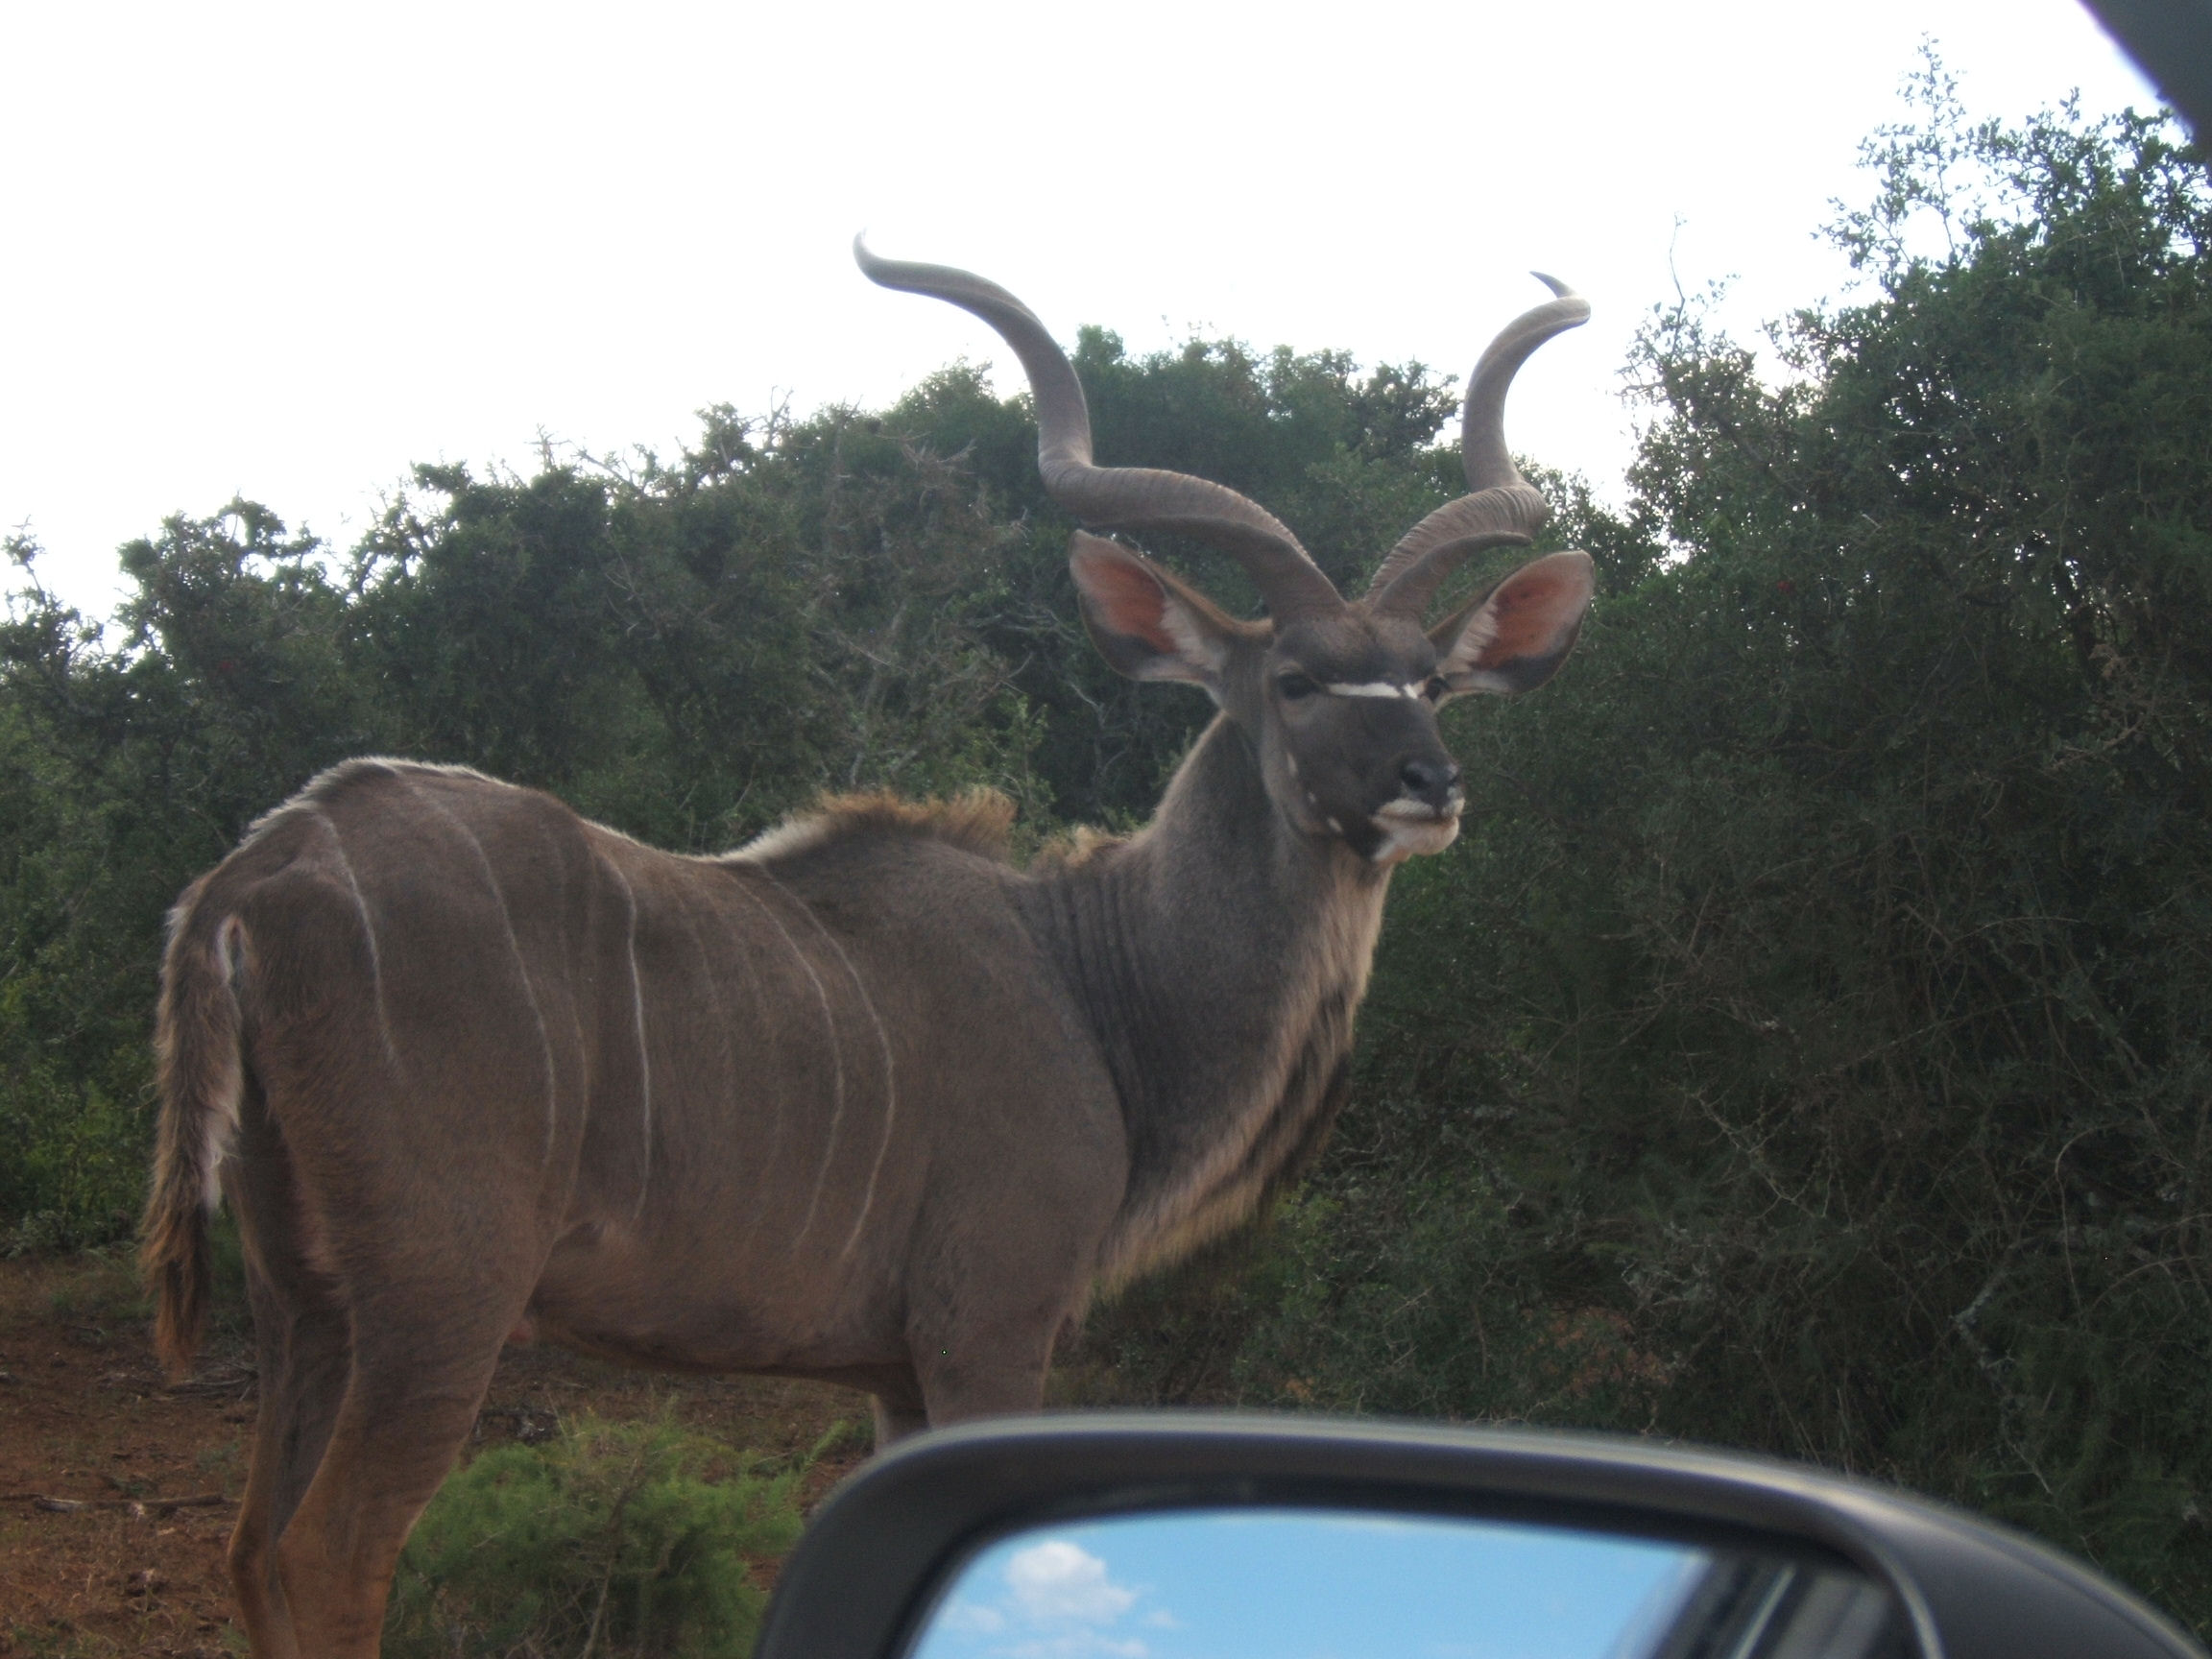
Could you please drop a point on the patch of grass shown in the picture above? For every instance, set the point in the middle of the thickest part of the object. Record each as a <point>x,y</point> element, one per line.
<point>100,1289</point>
<point>611,1539</point>
<point>846,1434</point>
<point>58,1640</point>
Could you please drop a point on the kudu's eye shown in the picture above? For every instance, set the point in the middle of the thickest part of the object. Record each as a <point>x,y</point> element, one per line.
<point>1295,686</point>
<point>1436,688</point>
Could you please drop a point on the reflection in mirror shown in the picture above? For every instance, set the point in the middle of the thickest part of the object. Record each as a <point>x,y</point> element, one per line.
<point>1348,1584</point>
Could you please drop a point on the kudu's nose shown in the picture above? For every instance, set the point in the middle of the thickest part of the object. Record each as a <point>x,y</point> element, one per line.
<point>1430,781</point>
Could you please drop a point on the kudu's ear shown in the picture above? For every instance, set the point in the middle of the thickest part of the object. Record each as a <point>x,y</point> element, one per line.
<point>1513,637</point>
<point>1144,621</point>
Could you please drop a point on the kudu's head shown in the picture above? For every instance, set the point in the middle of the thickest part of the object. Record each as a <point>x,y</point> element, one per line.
<point>1340,695</point>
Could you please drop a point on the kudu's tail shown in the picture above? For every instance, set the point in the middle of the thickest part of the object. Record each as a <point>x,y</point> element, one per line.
<point>202,1074</point>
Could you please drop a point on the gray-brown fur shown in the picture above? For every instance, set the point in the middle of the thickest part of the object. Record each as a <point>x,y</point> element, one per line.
<point>862,1101</point>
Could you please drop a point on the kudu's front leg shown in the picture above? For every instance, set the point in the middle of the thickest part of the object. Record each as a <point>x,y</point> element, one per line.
<point>995,1369</point>
<point>898,1418</point>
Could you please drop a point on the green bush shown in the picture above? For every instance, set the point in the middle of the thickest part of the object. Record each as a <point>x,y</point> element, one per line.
<point>77,1166</point>
<point>612,1539</point>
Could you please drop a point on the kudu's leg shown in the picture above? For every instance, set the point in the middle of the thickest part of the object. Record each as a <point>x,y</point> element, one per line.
<point>423,1354</point>
<point>897,1417</point>
<point>980,1336</point>
<point>386,1310</point>
<point>303,1351</point>
<point>988,1367</point>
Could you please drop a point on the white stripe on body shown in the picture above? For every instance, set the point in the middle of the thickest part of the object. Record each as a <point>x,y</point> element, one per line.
<point>644,1054</point>
<point>568,974</point>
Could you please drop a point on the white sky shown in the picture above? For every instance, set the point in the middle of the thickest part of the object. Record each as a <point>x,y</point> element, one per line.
<point>286,251</point>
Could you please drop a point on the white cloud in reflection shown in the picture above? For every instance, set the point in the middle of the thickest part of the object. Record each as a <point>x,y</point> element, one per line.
<point>1057,1581</point>
<point>1060,1602</point>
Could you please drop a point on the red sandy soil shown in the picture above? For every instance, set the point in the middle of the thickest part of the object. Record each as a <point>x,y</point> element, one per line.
<point>86,1420</point>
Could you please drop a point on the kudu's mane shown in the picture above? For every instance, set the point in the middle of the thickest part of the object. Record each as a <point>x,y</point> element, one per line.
<point>977,821</point>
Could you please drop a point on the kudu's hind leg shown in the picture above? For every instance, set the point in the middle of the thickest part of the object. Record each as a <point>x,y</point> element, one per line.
<point>376,1369</point>
<point>304,1354</point>
<point>422,1356</point>
<point>303,1350</point>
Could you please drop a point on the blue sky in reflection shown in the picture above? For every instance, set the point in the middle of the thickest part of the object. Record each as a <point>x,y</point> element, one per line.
<point>1283,1584</point>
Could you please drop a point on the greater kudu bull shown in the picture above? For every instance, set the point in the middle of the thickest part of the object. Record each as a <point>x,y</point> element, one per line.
<point>860,1101</point>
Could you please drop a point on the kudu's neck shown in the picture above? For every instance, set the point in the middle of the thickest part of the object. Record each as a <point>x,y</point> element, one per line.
<point>1218,843</point>
<point>1220,955</point>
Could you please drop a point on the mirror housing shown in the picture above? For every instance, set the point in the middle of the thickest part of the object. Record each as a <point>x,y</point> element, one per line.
<point>886,1543</point>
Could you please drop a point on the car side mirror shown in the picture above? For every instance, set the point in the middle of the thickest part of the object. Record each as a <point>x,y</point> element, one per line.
<point>1156,1536</point>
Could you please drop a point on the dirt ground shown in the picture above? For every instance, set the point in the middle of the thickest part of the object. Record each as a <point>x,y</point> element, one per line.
<point>118,1493</point>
